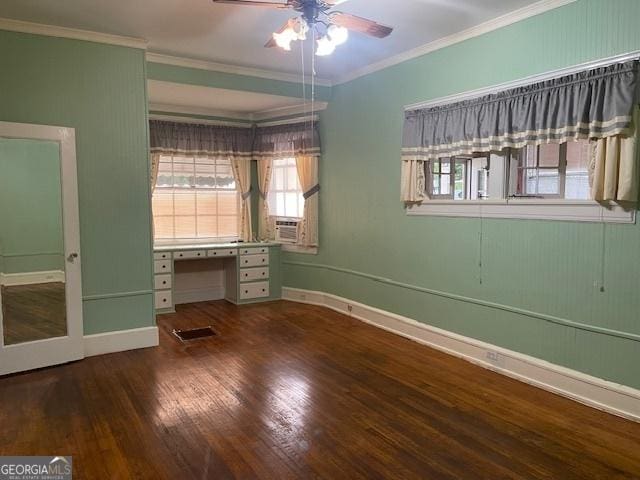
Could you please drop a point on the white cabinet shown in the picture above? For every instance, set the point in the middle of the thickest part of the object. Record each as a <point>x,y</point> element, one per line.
<point>162,266</point>
<point>162,255</point>
<point>222,252</point>
<point>250,291</point>
<point>162,282</point>
<point>254,250</point>
<point>253,274</point>
<point>254,260</point>
<point>163,299</point>
<point>189,254</point>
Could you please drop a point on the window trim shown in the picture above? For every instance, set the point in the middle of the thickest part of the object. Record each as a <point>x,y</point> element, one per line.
<point>195,189</point>
<point>533,209</point>
<point>551,207</point>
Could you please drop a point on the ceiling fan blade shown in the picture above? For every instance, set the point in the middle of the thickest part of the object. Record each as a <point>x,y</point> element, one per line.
<point>272,43</point>
<point>359,24</point>
<point>254,3</point>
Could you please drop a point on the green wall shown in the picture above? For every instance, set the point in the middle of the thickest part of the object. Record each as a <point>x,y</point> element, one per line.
<point>537,291</point>
<point>30,206</point>
<point>100,91</point>
<point>207,78</point>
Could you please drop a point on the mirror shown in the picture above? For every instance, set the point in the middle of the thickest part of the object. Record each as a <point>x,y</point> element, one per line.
<point>32,264</point>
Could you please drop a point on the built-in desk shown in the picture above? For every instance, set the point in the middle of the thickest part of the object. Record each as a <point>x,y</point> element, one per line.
<point>250,272</point>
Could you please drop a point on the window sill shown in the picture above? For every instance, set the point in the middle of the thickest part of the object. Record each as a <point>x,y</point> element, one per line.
<point>537,209</point>
<point>291,248</point>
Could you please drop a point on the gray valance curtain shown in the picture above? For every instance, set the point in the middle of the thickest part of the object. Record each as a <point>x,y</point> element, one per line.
<point>593,104</point>
<point>172,138</point>
<point>293,140</point>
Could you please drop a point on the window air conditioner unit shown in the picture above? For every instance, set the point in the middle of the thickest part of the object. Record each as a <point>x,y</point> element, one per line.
<point>287,231</point>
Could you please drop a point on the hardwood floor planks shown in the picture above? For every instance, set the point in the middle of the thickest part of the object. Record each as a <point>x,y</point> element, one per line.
<point>287,391</point>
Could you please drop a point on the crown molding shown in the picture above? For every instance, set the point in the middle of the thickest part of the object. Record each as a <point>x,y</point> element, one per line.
<point>263,115</point>
<point>207,112</point>
<point>289,121</point>
<point>486,27</point>
<point>73,33</point>
<point>287,111</point>
<point>198,121</point>
<point>233,69</point>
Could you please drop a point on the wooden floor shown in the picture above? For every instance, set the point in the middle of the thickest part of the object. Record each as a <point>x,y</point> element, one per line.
<point>287,391</point>
<point>33,312</point>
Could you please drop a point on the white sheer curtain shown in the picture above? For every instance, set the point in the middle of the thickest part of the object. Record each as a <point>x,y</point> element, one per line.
<point>613,171</point>
<point>155,166</point>
<point>307,166</point>
<point>265,221</point>
<point>242,175</point>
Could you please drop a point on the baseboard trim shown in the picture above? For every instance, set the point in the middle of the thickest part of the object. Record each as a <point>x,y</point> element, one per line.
<point>31,278</point>
<point>120,341</point>
<point>195,295</point>
<point>595,392</point>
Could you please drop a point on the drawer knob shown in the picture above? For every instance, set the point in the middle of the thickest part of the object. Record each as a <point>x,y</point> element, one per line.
<point>263,290</point>
<point>246,291</point>
<point>164,282</point>
<point>164,300</point>
<point>164,266</point>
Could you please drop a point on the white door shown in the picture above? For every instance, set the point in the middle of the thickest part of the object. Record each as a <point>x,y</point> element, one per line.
<point>40,277</point>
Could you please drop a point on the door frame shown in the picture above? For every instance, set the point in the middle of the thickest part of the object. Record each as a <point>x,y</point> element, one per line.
<point>53,351</point>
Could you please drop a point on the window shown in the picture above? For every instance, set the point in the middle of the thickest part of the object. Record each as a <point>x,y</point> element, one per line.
<point>285,193</point>
<point>195,198</point>
<point>551,171</point>
<point>452,178</point>
<point>549,181</point>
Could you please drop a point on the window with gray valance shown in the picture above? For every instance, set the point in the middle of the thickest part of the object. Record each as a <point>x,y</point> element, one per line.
<point>595,105</point>
<point>172,138</point>
<point>300,141</point>
<point>291,140</point>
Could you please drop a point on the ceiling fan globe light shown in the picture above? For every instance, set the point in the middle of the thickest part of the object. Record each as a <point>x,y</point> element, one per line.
<point>338,35</point>
<point>284,39</point>
<point>325,47</point>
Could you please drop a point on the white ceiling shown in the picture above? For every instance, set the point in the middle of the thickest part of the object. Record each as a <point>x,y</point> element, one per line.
<point>180,98</point>
<point>235,35</point>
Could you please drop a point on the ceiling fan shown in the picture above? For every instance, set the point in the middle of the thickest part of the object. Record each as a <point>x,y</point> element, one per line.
<point>330,27</point>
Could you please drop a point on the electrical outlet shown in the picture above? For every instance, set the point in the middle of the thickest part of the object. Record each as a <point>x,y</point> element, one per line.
<point>350,308</point>
<point>492,356</point>
<point>495,358</point>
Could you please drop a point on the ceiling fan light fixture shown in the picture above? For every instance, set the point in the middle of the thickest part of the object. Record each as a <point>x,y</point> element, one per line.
<point>337,34</point>
<point>284,39</point>
<point>325,46</point>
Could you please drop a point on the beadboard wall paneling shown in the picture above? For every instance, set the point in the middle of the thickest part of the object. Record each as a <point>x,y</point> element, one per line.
<point>100,91</point>
<point>537,279</point>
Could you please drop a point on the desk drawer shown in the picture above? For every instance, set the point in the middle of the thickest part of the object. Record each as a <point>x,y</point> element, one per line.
<point>162,256</point>
<point>252,274</point>
<point>162,282</point>
<point>163,299</point>
<point>254,290</point>
<point>189,254</point>
<point>254,250</point>
<point>161,266</point>
<point>254,260</point>
<point>223,252</point>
